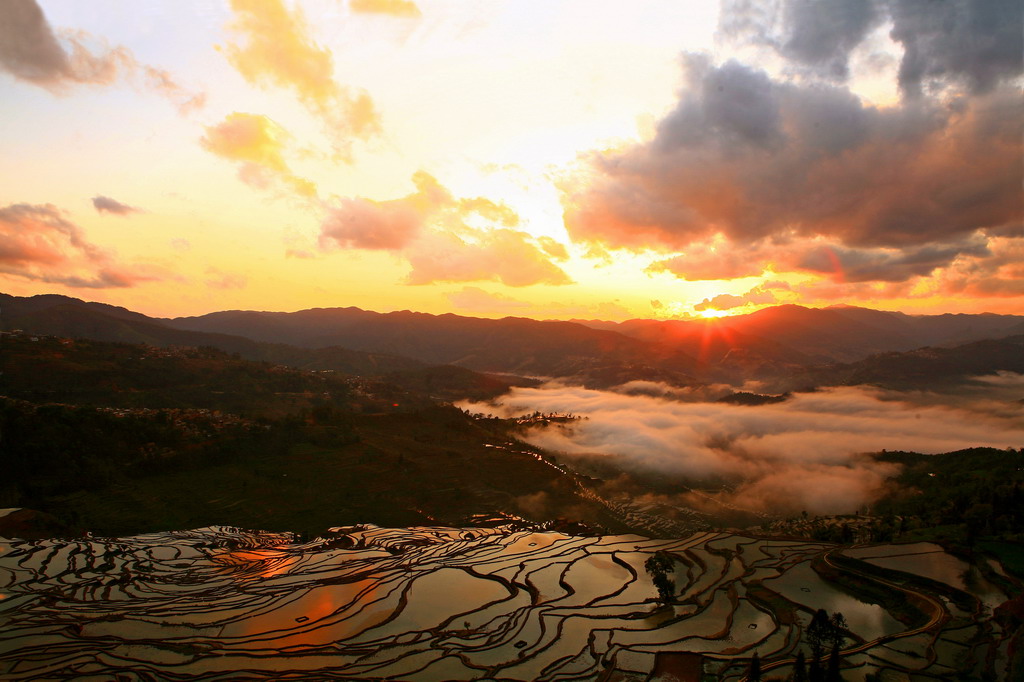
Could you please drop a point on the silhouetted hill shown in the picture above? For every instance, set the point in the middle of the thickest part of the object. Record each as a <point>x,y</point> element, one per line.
<point>734,356</point>
<point>60,316</point>
<point>75,320</point>
<point>947,329</point>
<point>450,383</point>
<point>932,366</point>
<point>797,335</point>
<point>768,343</point>
<point>72,318</point>
<point>922,368</point>
<point>516,345</point>
<point>343,360</point>
<point>362,342</point>
<point>89,372</point>
<point>16,306</point>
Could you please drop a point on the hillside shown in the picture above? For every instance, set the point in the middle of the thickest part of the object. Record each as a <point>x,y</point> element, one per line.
<point>799,335</point>
<point>70,318</point>
<point>515,345</point>
<point>768,344</point>
<point>918,369</point>
<point>122,438</point>
<point>95,373</point>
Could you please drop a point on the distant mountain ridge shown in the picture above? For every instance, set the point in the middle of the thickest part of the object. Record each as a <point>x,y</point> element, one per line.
<point>512,344</point>
<point>921,369</point>
<point>70,317</point>
<point>373,342</point>
<point>837,333</point>
<point>768,343</point>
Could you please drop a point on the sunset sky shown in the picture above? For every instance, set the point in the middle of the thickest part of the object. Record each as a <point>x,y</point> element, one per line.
<point>540,158</point>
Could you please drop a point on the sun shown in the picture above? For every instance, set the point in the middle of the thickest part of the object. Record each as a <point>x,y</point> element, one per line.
<point>711,313</point>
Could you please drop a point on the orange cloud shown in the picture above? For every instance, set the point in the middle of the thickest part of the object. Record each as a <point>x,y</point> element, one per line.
<point>38,243</point>
<point>553,248</point>
<point>257,144</point>
<point>397,8</point>
<point>358,223</point>
<point>999,275</point>
<point>760,295</point>
<point>485,208</point>
<point>717,259</point>
<point>279,51</point>
<point>428,228</point>
<point>507,256</point>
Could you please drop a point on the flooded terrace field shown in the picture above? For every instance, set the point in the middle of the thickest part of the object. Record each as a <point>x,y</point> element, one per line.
<point>453,604</point>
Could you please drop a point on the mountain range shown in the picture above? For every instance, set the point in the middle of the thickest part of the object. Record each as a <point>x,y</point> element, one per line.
<point>768,343</point>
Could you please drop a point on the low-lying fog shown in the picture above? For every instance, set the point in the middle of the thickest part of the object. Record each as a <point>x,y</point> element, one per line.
<point>804,453</point>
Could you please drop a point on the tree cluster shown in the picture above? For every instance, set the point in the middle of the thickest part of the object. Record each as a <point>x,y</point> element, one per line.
<point>658,567</point>
<point>823,632</point>
<point>980,490</point>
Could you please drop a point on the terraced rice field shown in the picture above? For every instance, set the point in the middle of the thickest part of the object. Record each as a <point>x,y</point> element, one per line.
<point>435,604</point>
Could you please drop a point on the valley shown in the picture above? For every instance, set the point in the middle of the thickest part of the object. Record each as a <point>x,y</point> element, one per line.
<point>244,508</point>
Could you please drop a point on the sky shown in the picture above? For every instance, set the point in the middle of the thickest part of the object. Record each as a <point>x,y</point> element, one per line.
<point>547,159</point>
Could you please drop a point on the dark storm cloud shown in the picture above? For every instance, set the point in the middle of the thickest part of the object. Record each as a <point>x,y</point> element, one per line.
<point>976,42</point>
<point>750,158</point>
<point>972,43</point>
<point>28,48</point>
<point>816,35</point>
<point>795,172</point>
<point>821,33</point>
<point>31,52</point>
<point>878,265</point>
<point>735,103</point>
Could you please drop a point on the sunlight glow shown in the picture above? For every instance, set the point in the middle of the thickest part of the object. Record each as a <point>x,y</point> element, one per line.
<point>714,314</point>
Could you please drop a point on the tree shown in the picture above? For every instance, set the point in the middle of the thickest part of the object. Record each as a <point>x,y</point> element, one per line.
<point>800,668</point>
<point>832,673</point>
<point>838,625</point>
<point>824,630</point>
<point>754,671</point>
<point>658,567</point>
<point>818,632</point>
<point>846,534</point>
<point>814,673</point>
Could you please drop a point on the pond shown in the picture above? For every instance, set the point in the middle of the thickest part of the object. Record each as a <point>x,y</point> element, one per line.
<point>800,584</point>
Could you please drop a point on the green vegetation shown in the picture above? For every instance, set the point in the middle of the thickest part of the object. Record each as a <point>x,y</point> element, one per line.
<point>753,399</point>
<point>957,498</point>
<point>120,438</point>
<point>101,374</point>
<point>658,567</point>
<point>825,631</point>
<point>1009,554</point>
<point>966,501</point>
<point>56,456</point>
